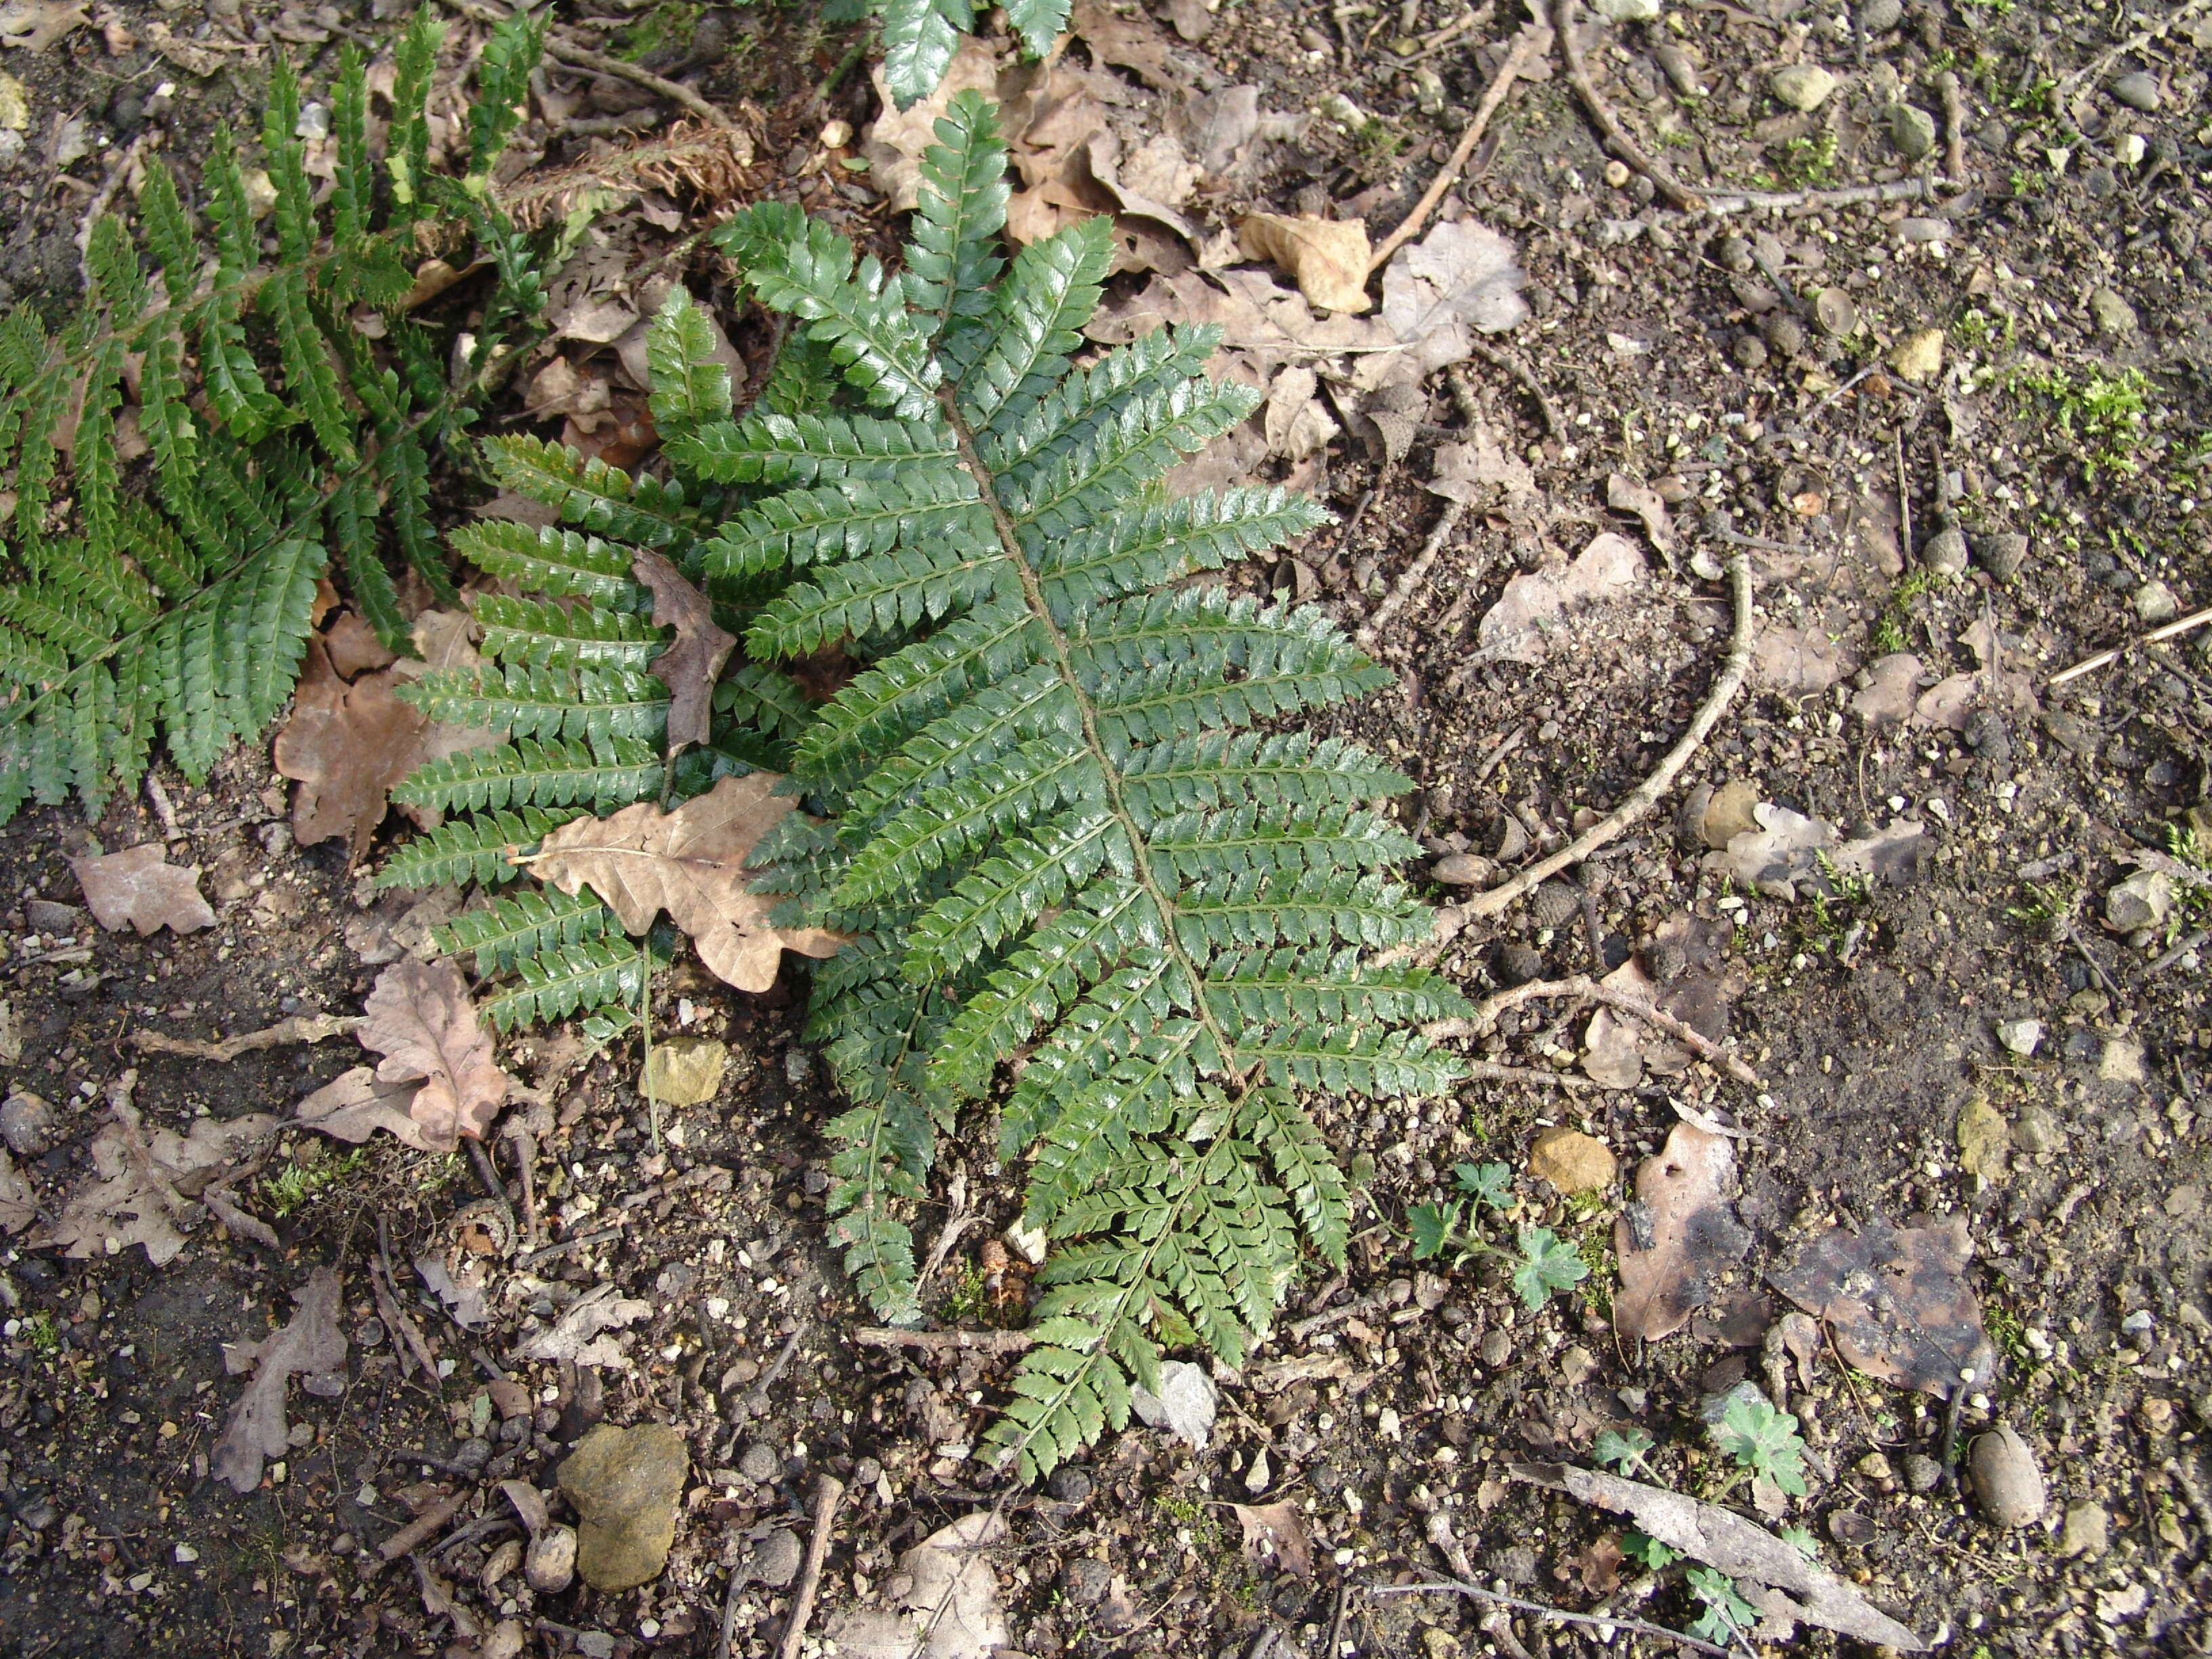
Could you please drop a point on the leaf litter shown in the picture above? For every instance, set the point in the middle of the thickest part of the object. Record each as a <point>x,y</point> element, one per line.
<point>691,863</point>
<point>419,1017</point>
<point>1679,1237</point>
<point>948,1601</point>
<point>310,1346</point>
<point>694,658</point>
<point>1896,1301</point>
<point>139,888</point>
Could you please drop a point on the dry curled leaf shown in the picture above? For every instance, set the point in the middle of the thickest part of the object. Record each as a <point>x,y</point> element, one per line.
<point>19,1205</point>
<point>948,1577</point>
<point>1680,1236</point>
<point>1519,627</point>
<point>694,659</point>
<point>1327,258</point>
<point>1276,1528</point>
<point>346,746</point>
<point>419,1017</point>
<point>1740,1548</point>
<point>35,25</point>
<point>139,888</point>
<point>690,863</point>
<point>578,1335</point>
<point>145,1189</point>
<point>1897,1301</point>
<point>311,1346</point>
<point>354,1105</point>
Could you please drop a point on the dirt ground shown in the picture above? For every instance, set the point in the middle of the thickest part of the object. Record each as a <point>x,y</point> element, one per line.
<point>1694,353</point>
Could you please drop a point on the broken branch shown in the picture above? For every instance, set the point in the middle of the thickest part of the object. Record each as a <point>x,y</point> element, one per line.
<point>300,1027</point>
<point>885,1336</point>
<point>1525,47</point>
<point>1583,985</point>
<point>1677,193</point>
<point>827,1496</point>
<point>1646,794</point>
<point>2105,659</point>
<point>1596,1620</point>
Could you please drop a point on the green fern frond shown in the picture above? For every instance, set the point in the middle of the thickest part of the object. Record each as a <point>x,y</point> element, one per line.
<point>563,979</point>
<point>508,929</point>
<point>1054,825</point>
<point>690,388</point>
<point>481,849</point>
<point>543,635</point>
<point>556,772</point>
<point>604,500</point>
<point>596,705</point>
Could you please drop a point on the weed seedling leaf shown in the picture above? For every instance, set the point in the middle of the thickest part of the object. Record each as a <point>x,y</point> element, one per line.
<point>1490,1185</point>
<point>1763,1440</point>
<point>1547,1263</point>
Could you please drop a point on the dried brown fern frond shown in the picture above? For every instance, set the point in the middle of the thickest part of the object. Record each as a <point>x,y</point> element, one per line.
<point>706,166</point>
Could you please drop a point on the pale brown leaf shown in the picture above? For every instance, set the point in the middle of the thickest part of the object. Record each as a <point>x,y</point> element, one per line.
<point>1520,627</point>
<point>19,1205</point>
<point>1896,1300</point>
<point>1327,258</point>
<point>139,888</point>
<point>1680,1238</point>
<point>694,659</point>
<point>419,1018</point>
<point>1276,1527</point>
<point>354,1105</point>
<point>346,746</point>
<point>690,863</point>
<point>310,1346</point>
<point>35,25</point>
<point>145,1189</point>
<point>579,1335</point>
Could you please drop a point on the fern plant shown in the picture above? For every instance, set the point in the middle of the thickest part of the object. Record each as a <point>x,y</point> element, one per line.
<point>1052,811</point>
<point>1057,824</point>
<point>920,37</point>
<point>181,612</point>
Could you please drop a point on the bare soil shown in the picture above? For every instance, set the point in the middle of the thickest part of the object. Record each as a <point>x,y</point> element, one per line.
<point>1871,1015</point>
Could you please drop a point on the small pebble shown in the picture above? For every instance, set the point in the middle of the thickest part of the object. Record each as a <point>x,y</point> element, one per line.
<point>2155,604</point>
<point>2137,91</point>
<point>2113,314</point>
<point>1879,16</point>
<point>760,1462</point>
<point>1944,553</point>
<point>2007,1479</point>
<point>1923,1473</point>
<point>2020,1037</point>
<point>1836,312</point>
<point>1875,1466</point>
<point>1911,131</point>
<point>2002,555</point>
<point>1496,1347</point>
<point>2086,1532</point>
<point>1802,86</point>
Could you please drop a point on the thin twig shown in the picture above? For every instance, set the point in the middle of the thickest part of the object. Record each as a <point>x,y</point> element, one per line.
<point>599,1236</point>
<point>2189,941</point>
<point>1526,46</point>
<point>1484,1071</point>
<point>1777,201</point>
<point>1954,123</point>
<point>1677,193</point>
<point>2095,67</point>
<point>1412,577</point>
<point>564,51</point>
<point>488,1178</point>
<point>1583,985</point>
<point>2105,659</point>
<point>828,1495</point>
<point>885,1336</point>
<point>300,1027</point>
<point>418,1530</point>
<point>1646,794</point>
<point>1510,364</point>
<point>1596,1620</point>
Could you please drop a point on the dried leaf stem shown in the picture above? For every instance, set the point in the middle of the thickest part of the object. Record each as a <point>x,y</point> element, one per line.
<point>565,51</point>
<point>1677,193</point>
<point>1526,46</point>
<point>1583,985</point>
<point>1646,794</point>
<point>887,1336</point>
<point>1595,1620</point>
<point>828,1495</point>
<point>299,1028</point>
<point>2173,630</point>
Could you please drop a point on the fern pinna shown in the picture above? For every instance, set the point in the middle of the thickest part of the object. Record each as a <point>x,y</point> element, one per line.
<point>183,612</point>
<point>1056,825</point>
<point>567,684</point>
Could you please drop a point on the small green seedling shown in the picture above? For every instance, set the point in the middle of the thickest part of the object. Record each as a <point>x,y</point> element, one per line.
<point>1763,1440</point>
<point>1803,1541</point>
<point>1726,1612</point>
<point>1648,1551</point>
<point>1623,1449</point>
<point>1489,1184</point>
<point>1547,1263</point>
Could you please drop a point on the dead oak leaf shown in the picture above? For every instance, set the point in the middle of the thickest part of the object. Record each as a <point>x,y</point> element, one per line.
<point>1897,1301</point>
<point>690,863</point>
<point>346,747</point>
<point>694,659</point>
<point>419,1017</point>
<point>1679,1237</point>
<point>35,25</point>
<point>19,1205</point>
<point>1327,258</point>
<point>354,1104</point>
<point>145,1189</point>
<point>139,888</point>
<point>310,1346</point>
<point>1276,1527</point>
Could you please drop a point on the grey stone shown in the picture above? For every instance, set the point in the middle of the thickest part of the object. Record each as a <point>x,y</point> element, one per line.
<point>2020,1037</point>
<point>2122,1061</point>
<point>2137,91</point>
<point>1944,553</point>
<point>1879,16</point>
<point>2037,1129</point>
<point>2087,1531</point>
<point>775,1560</point>
<point>2114,315</point>
<point>1496,1347</point>
<point>2007,1479</point>
<point>1921,1473</point>
<point>550,1564</point>
<point>2155,604</point>
<point>2002,555</point>
<point>625,1485</point>
<point>1911,130</point>
<point>760,1462</point>
<point>46,916</point>
<point>26,1124</point>
<point>1802,86</point>
<point>2143,900</point>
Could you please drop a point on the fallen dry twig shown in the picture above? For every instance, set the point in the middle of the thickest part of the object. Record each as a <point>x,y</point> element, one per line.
<point>1484,1071</point>
<point>299,1028</point>
<point>1526,46</point>
<point>1775,201</point>
<point>1677,193</point>
<point>1596,1620</point>
<point>417,1531</point>
<point>2173,630</point>
<point>1583,985</point>
<point>1646,794</point>
<point>564,51</point>
<point>828,1495</point>
<point>1411,576</point>
<point>885,1336</point>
